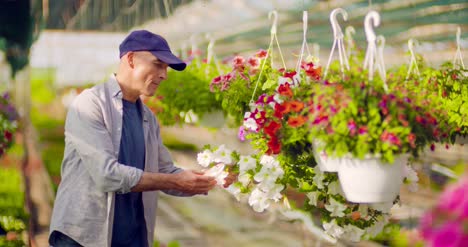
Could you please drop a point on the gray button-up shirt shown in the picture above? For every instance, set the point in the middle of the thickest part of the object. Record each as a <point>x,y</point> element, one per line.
<point>91,174</point>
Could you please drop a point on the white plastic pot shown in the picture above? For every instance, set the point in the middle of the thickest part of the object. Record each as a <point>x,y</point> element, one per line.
<point>370,180</point>
<point>325,162</point>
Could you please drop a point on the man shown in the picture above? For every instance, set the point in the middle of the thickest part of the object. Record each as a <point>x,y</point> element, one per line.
<point>114,161</point>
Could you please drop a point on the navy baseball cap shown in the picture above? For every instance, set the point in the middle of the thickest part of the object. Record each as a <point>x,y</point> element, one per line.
<point>142,40</point>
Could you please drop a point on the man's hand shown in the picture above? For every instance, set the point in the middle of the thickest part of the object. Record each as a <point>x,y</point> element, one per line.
<point>193,182</point>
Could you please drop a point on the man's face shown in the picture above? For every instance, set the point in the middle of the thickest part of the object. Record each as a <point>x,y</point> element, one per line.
<point>148,72</point>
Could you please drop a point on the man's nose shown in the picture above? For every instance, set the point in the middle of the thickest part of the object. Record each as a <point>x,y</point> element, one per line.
<point>163,74</point>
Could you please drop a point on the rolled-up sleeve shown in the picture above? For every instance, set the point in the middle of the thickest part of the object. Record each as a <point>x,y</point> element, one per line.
<point>86,132</point>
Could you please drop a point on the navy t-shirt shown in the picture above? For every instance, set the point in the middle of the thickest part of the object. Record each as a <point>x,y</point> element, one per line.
<point>129,227</point>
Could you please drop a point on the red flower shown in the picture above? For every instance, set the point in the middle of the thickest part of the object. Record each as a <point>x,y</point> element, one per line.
<point>313,73</point>
<point>8,136</point>
<point>362,130</point>
<point>238,63</point>
<point>272,128</point>
<point>297,121</point>
<point>261,54</point>
<point>281,109</point>
<point>274,147</point>
<point>296,106</point>
<point>289,74</point>
<point>260,117</point>
<point>254,62</point>
<point>285,90</point>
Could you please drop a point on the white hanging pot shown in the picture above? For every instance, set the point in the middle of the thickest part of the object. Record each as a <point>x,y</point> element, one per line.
<point>325,162</point>
<point>370,180</point>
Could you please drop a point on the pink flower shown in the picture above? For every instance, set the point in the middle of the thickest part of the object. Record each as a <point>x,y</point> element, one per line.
<point>238,62</point>
<point>253,62</point>
<point>241,133</point>
<point>352,127</point>
<point>449,235</point>
<point>455,199</point>
<point>261,54</point>
<point>362,130</point>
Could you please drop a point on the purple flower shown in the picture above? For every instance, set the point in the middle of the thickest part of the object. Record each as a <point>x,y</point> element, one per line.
<point>241,134</point>
<point>383,104</point>
<point>407,100</point>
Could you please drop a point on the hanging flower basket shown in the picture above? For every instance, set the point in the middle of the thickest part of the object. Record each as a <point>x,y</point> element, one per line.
<point>325,162</point>
<point>370,180</point>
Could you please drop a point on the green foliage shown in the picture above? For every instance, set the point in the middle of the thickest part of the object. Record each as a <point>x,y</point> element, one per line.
<point>43,91</point>
<point>173,143</point>
<point>248,79</point>
<point>12,197</point>
<point>185,91</point>
<point>12,214</point>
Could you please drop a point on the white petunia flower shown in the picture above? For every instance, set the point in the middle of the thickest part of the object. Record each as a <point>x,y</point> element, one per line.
<point>244,179</point>
<point>353,233</point>
<point>205,158</point>
<point>333,229</point>
<point>412,178</point>
<point>222,155</point>
<point>250,124</point>
<point>258,200</point>
<point>265,177</point>
<point>268,161</point>
<point>334,188</point>
<point>235,190</point>
<point>313,197</point>
<point>274,192</point>
<point>335,208</point>
<point>277,99</point>
<point>218,173</point>
<point>318,179</point>
<point>247,115</point>
<point>247,163</point>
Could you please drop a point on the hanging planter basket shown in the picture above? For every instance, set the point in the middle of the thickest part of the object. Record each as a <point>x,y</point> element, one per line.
<point>325,162</point>
<point>369,180</point>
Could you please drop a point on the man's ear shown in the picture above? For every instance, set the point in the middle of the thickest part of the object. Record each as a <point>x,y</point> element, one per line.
<point>130,59</point>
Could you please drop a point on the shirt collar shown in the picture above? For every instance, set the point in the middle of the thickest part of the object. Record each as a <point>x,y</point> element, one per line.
<point>116,91</point>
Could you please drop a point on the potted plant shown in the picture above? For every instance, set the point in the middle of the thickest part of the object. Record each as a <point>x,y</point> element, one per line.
<point>373,131</point>
<point>278,126</point>
<point>8,122</point>
<point>185,96</point>
<point>248,78</point>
